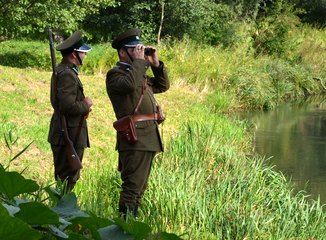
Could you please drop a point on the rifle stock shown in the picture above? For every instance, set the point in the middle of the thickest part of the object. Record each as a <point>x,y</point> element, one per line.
<point>72,156</point>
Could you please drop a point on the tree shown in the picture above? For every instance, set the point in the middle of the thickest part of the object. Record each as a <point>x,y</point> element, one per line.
<point>157,19</point>
<point>186,17</point>
<point>245,9</point>
<point>114,19</point>
<point>30,18</point>
<point>315,11</point>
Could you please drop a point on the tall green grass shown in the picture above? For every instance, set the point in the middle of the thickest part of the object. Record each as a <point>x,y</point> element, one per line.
<point>207,188</point>
<point>237,74</point>
<point>206,184</point>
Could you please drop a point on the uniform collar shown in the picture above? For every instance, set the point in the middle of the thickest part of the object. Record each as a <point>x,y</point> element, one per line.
<point>124,65</point>
<point>75,68</point>
<point>72,66</point>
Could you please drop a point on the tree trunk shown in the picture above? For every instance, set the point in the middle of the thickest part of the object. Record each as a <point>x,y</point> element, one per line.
<point>161,22</point>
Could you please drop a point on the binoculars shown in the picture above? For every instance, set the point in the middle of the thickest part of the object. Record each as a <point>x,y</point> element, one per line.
<point>149,50</point>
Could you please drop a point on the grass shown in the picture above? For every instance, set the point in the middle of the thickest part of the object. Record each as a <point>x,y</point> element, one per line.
<point>207,184</point>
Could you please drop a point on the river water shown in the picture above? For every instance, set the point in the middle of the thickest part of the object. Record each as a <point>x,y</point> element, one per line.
<point>293,138</point>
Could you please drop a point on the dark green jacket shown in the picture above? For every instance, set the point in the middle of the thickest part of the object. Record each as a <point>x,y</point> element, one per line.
<point>68,101</point>
<point>124,85</point>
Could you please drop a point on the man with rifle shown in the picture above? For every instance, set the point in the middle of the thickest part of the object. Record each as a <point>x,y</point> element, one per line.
<point>68,134</point>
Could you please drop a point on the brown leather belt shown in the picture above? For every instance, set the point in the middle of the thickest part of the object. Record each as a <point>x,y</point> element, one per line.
<point>145,117</point>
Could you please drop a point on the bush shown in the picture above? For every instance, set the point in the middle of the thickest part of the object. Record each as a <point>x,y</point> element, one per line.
<point>36,54</point>
<point>273,37</point>
<point>22,54</point>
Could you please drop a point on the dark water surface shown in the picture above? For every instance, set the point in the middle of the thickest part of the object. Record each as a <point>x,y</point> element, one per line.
<point>293,136</point>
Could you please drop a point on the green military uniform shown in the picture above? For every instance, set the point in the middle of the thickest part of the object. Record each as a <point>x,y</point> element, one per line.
<point>67,98</point>
<point>124,84</point>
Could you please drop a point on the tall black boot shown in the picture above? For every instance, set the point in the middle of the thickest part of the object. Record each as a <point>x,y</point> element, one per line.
<point>124,210</point>
<point>134,212</point>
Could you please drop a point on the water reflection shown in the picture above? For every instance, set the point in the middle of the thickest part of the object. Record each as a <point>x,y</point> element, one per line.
<point>294,137</point>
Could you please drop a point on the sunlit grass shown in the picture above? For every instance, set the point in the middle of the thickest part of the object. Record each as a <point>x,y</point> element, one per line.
<point>206,184</point>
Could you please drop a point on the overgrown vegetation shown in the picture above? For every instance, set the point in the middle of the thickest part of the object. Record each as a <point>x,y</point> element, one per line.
<point>29,211</point>
<point>257,73</point>
<point>221,56</point>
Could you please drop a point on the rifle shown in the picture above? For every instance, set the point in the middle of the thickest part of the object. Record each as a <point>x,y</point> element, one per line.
<point>73,158</point>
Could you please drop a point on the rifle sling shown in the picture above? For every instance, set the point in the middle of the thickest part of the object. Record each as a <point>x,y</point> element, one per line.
<point>79,130</point>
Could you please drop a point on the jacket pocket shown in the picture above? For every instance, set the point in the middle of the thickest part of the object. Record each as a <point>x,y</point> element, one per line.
<point>145,127</point>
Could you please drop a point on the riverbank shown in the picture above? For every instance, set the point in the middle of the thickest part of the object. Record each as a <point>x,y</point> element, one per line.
<point>207,184</point>
<point>230,78</point>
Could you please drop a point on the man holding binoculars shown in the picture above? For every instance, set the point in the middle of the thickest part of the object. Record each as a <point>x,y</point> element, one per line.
<point>131,92</point>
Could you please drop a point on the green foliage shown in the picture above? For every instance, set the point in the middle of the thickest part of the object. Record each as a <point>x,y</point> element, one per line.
<point>202,21</point>
<point>207,21</point>
<point>186,17</point>
<point>272,35</point>
<point>225,195</point>
<point>313,50</point>
<point>245,9</point>
<point>25,216</point>
<point>314,11</point>
<point>220,28</point>
<point>209,150</point>
<point>100,59</point>
<point>271,82</point>
<point>31,18</point>
<point>272,31</point>
<point>24,54</point>
<point>13,228</point>
<point>115,19</point>
<point>36,54</point>
<point>234,76</point>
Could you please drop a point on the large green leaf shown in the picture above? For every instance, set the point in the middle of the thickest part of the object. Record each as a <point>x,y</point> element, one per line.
<point>138,229</point>
<point>114,232</point>
<point>67,207</point>
<point>36,213</point>
<point>90,224</point>
<point>75,236</point>
<point>57,232</point>
<point>12,210</point>
<point>13,228</point>
<point>13,184</point>
<point>54,194</point>
<point>169,236</point>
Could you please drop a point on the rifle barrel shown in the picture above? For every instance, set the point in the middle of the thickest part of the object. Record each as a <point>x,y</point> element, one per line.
<point>53,59</point>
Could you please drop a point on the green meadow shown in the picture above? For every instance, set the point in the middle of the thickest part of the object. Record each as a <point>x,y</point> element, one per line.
<point>208,184</point>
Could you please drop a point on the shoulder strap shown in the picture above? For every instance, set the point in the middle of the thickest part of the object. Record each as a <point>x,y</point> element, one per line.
<point>140,97</point>
<point>145,86</point>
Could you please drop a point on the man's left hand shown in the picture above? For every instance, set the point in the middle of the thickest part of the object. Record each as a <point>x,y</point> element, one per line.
<point>152,58</point>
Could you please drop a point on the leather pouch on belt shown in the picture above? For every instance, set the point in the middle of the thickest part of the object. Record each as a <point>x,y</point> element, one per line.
<point>126,127</point>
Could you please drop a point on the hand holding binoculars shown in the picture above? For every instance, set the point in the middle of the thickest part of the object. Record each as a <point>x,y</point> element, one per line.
<point>149,51</point>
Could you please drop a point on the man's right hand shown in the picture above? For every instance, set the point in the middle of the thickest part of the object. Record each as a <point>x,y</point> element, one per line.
<point>138,52</point>
<point>89,102</point>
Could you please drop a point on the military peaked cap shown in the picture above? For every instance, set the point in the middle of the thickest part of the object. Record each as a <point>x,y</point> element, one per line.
<point>130,38</point>
<point>74,43</point>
